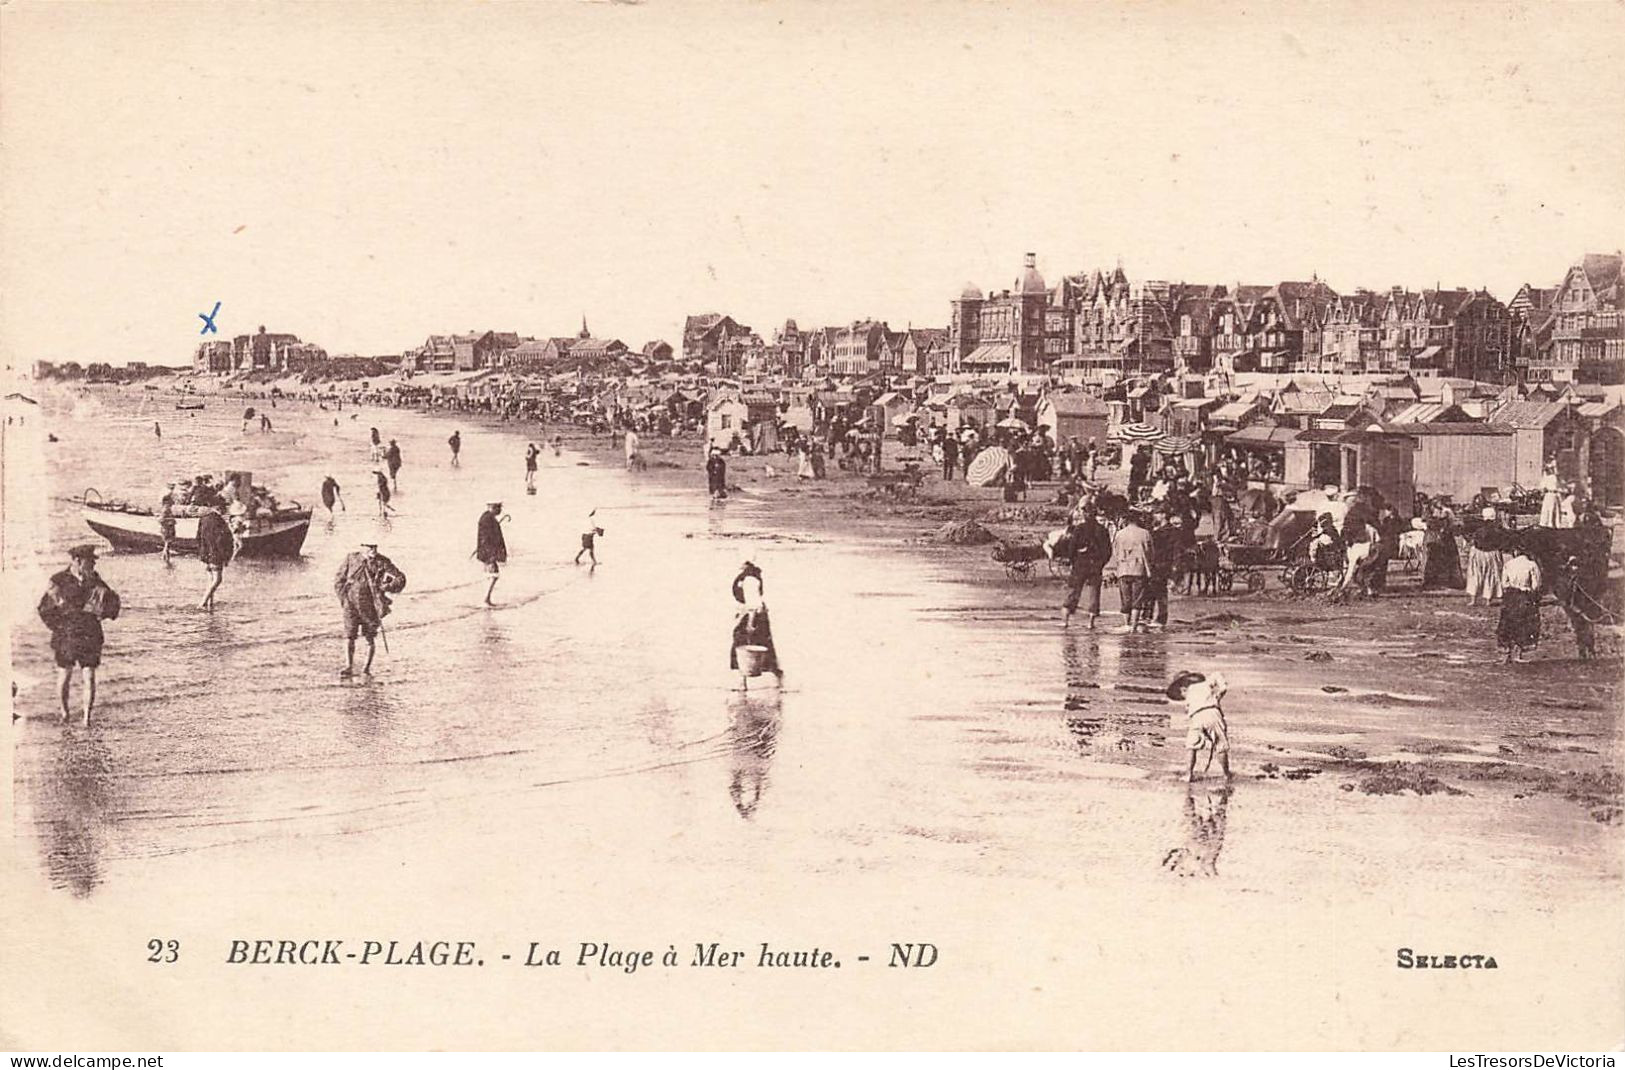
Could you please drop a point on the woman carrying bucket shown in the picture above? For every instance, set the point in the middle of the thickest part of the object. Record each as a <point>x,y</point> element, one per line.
<point>753,652</point>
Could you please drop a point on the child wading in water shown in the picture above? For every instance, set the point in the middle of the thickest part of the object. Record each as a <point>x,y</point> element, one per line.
<point>589,539</point>
<point>1204,719</point>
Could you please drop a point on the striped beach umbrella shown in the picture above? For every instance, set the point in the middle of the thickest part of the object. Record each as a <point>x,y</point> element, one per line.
<point>1139,432</point>
<point>1173,444</point>
<point>989,467</point>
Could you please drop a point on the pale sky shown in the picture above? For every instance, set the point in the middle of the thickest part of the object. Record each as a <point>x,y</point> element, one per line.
<point>363,176</point>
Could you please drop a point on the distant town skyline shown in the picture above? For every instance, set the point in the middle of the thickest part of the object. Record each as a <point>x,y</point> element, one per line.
<point>362,178</point>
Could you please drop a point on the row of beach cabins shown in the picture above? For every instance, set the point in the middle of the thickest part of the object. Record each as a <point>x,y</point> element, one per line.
<point>1450,439</point>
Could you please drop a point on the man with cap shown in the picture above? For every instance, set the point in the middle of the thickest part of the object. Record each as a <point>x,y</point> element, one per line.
<point>1131,561</point>
<point>716,473</point>
<point>73,608</point>
<point>364,583</point>
<point>489,546</point>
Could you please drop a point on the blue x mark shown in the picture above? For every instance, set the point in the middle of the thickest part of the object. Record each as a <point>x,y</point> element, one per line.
<point>208,320</point>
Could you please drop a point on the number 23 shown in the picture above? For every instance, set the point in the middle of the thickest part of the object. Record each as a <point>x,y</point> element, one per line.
<point>163,950</point>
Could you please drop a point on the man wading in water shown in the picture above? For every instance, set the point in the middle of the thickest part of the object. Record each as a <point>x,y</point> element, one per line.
<point>392,460</point>
<point>215,548</point>
<point>489,546</point>
<point>331,493</point>
<point>73,607</point>
<point>363,584</point>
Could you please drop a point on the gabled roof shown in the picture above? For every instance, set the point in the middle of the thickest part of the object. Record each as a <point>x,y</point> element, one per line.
<point>1233,411</point>
<point>1601,269</point>
<point>1341,411</point>
<point>1303,401</point>
<point>1524,415</point>
<point>1472,428</point>
<point>1077,404</point>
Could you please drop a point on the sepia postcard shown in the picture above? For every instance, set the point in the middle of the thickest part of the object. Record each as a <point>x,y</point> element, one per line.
<point>776,526</point>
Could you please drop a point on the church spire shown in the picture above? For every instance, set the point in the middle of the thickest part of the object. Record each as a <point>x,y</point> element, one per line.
<point>584,332</point>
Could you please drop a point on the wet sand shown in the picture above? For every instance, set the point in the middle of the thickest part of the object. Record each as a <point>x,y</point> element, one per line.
<point>947,765</point>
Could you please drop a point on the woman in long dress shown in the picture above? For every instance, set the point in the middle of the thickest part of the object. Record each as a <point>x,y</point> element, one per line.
<point>1565,507</point>
<point>1519,627</point>
<point>751,626</point>
<point>1442,564</point>
<point>1551,497</point>
<point>1485,560</point>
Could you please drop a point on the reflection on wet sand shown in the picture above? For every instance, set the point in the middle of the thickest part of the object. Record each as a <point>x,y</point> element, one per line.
<point>369,714</point>
<point>1206,811</point>
<point>753,734</point>
<point>73,805</point>
<point>1114,696</point>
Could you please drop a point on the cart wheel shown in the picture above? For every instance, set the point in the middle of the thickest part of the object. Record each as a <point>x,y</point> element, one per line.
<point>1255,582</point>
<point>1307,579</point>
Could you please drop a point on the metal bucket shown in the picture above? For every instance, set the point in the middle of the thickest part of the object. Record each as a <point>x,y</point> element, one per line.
<point>752,659</point>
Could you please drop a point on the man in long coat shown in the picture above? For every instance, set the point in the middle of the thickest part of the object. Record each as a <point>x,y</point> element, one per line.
<point>363,585</point>
<point>490,548</point>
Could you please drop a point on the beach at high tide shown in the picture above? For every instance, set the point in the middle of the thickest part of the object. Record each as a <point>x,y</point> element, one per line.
<point>944,764</point>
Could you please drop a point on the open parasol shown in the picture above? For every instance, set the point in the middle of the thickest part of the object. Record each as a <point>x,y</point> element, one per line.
<point>989,467</point>
<point>1139,432</point>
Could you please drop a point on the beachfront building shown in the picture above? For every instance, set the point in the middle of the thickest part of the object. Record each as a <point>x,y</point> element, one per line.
<point>1001,332</point>
<point>213,357</point>
<point>925,351</point>
<point>261,351</point>
<point>1588,330</point>
<point>462,352</point>
<point>1459,333</point>
<point>859,349</point>
<point>529,354</point>
<point>586,349</point>
<point>1350,336</point>
<point>1281,325</point>
<point>706,336</point>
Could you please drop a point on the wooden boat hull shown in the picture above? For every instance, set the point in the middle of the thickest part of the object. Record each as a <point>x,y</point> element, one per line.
<point>282,536</point>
